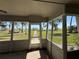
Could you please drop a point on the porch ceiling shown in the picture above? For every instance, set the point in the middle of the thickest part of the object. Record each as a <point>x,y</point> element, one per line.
<point>30,7</point>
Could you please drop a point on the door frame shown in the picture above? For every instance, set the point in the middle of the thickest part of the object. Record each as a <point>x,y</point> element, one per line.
<point>40,29</point>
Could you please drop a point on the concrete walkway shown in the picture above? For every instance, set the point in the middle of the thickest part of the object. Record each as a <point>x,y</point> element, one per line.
<point>35,40</point>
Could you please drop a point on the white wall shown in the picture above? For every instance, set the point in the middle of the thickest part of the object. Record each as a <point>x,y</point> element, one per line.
<point>57,53</point>
<point>17,45</point>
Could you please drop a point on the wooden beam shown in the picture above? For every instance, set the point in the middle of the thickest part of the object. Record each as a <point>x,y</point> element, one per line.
<point>22,18</point>
<point>72,8</point>
<point>2,11</point>
<point>50,2</point>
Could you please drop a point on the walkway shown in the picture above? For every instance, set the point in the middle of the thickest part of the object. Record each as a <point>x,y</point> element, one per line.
<point>35,40</point>
<point>39,54</point>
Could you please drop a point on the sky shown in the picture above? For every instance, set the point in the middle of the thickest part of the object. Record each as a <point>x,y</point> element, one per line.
<point>68,18</point>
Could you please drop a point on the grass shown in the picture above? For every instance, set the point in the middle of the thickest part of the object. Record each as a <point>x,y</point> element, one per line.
<point>20,36</point>
<point>57,36</point>
<point>43,34</point>
<point>5,35</point>
<point>49,35</point>
<point>57,40</point>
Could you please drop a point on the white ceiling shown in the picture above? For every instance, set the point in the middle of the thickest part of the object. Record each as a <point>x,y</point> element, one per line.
<point>30,7</point>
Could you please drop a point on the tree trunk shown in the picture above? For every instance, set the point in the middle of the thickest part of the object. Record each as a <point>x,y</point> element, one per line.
<point>22,28</point>
<point>9,28</point>
<point>25,29</point>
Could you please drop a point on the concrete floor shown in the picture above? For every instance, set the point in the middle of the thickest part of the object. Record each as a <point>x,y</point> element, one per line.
<point>39,54</point>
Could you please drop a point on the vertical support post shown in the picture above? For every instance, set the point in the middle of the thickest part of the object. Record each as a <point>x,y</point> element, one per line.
<point>29,31</point>
<point>40,31</point>
<point>64,37</point>
<point>51,37</point>
<point>47,35</point>
<point>51,31</point>
<point>29,41</point>
<point>11,43</point>
<point>47,30</point>
<point>12,30</point>
<point>77,20</point>
<point>40,35</point>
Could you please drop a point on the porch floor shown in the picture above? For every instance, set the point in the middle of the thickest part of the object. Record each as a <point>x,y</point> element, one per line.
<point>38,54</point>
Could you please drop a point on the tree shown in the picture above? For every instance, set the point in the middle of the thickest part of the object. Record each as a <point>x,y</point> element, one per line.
<point>55,23</point>
<point>23,24</point>
<point>3,25</point>
<point>17,25</point>
<point>70,28</point>
<point>9,28</point>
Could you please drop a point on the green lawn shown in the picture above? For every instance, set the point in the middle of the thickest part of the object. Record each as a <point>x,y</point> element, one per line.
<point>57,36</point>
<point>20,36</point>
<point>5,35</point>
<point>43,34</point>
<point>32,33</point>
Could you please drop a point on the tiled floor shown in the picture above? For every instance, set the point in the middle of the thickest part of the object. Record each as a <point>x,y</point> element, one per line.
<point>39,54</point>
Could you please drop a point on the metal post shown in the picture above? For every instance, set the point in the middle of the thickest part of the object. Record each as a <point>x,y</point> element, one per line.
<point>64,37</point>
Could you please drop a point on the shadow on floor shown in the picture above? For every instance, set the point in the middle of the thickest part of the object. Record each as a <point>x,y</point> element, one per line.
<point>38,54</point>
<point>16,55</point>
<point>43,54</point>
